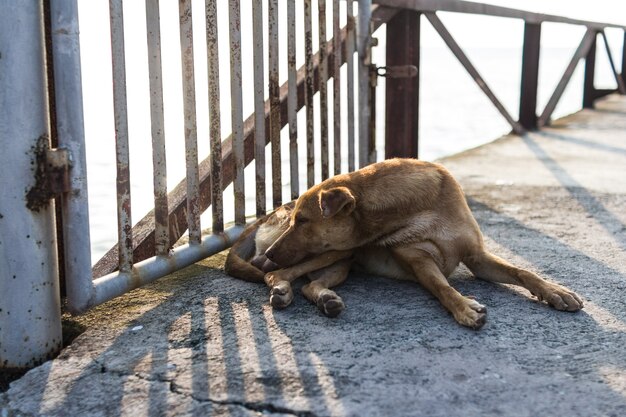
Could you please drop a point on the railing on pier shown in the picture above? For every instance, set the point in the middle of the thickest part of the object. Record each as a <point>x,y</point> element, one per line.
<point>144,251</point>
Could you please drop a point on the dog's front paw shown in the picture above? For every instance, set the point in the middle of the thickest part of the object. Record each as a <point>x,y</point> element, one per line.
<point>472,315</point>
<point>281,295</point>
<point>560,298</point>
<point>330,303</point>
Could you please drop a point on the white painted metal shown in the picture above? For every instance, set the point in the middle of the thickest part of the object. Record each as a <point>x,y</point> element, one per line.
<point>71,136</point>
<point>30,317</point>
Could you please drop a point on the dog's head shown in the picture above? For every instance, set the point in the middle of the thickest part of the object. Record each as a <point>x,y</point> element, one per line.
<point>323,220</point>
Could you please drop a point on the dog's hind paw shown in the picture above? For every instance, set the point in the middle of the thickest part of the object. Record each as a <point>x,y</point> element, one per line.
<point>281,295</point>
<point>330,303</point>
<point>561,298</point>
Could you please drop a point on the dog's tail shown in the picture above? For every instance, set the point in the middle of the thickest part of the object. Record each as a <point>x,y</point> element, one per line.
<point>238,260</point>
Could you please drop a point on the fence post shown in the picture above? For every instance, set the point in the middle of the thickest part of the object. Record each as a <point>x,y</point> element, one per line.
<point>589,90</point>
<point>30,314</point>
<point>530,76</point>
<point>402,94</point>
<point>623,74</point>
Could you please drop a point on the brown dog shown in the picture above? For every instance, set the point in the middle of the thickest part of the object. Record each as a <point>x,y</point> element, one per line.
<point>399,218</point>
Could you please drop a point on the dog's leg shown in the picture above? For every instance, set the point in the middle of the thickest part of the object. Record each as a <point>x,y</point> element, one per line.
<point>318,290</point>
<point>279,281</point>
<point>489,267</point>
<point>466,311</point>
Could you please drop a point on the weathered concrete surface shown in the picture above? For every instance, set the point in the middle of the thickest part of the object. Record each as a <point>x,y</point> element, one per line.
<point>201,343</point>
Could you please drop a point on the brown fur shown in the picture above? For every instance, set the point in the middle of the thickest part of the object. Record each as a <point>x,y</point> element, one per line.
<point>400,218</point>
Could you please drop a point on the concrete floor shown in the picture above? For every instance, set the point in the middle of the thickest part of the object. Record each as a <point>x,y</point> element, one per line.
<point>201,343</point>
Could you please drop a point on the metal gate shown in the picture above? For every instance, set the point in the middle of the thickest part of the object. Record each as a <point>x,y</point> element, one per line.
<point>41,100</point>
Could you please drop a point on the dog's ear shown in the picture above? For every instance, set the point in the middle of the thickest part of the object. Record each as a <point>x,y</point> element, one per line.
<point>335,200</point>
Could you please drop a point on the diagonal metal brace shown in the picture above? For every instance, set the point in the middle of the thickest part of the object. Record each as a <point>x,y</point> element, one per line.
<point>469,67</point>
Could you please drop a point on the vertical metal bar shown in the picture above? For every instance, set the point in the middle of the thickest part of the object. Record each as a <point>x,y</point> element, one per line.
<point>402,94</point>
<point>292,99</point>
<point>350,40</point>
<point>30,311</point>
<point>624,58</point>
<point>161,217</point>
<point>71,136</point>
<point>191,131</point>
<point>237,111</point>
<point>620,83</point>
<point>372,122</point>
<point>124,221</point>
<point>530,76</point>
<point>589,89</point>
<point>336,89</point>
<point>214,115</point>
<point>308,94</point>
<point>323,86</point>
<point>363,48</point>
<point>259,106</point>
<point>274,91</point>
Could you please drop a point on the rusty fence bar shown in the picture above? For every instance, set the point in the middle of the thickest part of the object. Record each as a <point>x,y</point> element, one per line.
<point>308,94</point>
<point>350,44</point>
<point>292,100</point>
<point>191,131</point>
<point>124,220</point>
<point>336,89</point>
<point>274,92</point>
<point>237,111</point>
<point>323,87</point>
<point>215,131</point>
<point>363,48</point>
<point>259,106</point>
<point>161,220</point>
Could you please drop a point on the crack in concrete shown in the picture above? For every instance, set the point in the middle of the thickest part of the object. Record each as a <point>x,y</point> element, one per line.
<point>262,407</point>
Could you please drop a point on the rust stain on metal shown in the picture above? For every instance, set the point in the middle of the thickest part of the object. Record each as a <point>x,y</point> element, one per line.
<point>40,193</point>
<point>274,92</point>
<point>349,58</point>
<point>292,100</point>
<point>336,89</point>
<point>237,111</point>
<point>308,94</point>
<point>260,113</point>
<point>161,234</point>
<point>189,106</point>
<point>323,87</point>
<point>214,116</point>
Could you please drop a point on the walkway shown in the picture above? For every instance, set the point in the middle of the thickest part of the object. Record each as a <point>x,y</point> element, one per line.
<point>200,343</point>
